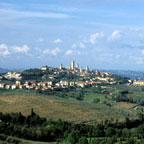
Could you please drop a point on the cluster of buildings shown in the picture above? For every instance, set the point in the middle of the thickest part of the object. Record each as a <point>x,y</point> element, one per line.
<point>73,68</point>
<point>88,78</point>
<point>13,75</point>
<point>138,83</point>
<point>45,85</point>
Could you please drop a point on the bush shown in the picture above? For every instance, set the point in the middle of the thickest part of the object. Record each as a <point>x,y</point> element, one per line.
<point>13,140</point>
<point>97,100</point>
<point>3,137</point>
<point>83,140</point>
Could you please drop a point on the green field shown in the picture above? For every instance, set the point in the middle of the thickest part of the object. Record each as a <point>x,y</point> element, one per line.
<point>70,109</point>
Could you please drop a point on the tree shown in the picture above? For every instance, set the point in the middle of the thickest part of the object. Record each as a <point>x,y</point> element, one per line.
<point>97,100</point>
<point>110,132</point>
<point>73,137</point>
<point>83,140</point>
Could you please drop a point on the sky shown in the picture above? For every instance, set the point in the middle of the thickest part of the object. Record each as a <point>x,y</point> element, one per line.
<point>106,34</point>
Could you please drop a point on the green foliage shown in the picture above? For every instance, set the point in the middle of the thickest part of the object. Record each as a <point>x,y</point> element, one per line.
<point>83,140</point>
<point>73,137</point>
<point>97,100</point>
<point>110,132</point>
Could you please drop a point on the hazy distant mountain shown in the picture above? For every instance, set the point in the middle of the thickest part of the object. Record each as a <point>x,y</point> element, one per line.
<point>3,70</point>
<point>135,75</point>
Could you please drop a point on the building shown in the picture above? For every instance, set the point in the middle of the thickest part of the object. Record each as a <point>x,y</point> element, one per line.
<point>18,83</point>
<point>87,68</point>
<point>7,86</point>
<point>2,85</point>
<point>81,70</point>
<point>72,83</point>
<point>97,72</point>
<point>140,83</point>
<point>73,65</point>
<point>77,66</point>
<point>60,66</point>
<point>14,86</point>
<point>43,68</point>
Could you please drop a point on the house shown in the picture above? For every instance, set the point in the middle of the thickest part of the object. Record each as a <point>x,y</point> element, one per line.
<point>1,76</point>
<point>37,87</point>
<point>81,84</point>
<point>14,86</point>
<point>140,83</point>
<point>18,83</point>
<point>7,86</point>
<point>58,84</point>
<point>2,85</point>
<point>50,83</point>
<point>15,75</point>
<point>72,83</point>
<point>20,86</point>
<point>43,68</point>
<point>64,83</point>
<point>43,84</point>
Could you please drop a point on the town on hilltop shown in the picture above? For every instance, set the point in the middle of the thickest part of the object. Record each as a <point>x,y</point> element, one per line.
<point>49,78</point>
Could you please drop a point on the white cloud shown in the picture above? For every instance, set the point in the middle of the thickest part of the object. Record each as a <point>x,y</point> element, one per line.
<point>95,36</point>
<point>81,45</point>
<point>4,50</point>
<point>52,52</point>
<point>55,51</point>
<point>139,61</point>
<point>40,39</point>
<point>57,41</point>
<point>68,52</point>
<point>23,49</point>
<point>47,51</point>
<point>26,14</point>
<point>116,34</point>
<point>74,45</point>
<point>142,52</point>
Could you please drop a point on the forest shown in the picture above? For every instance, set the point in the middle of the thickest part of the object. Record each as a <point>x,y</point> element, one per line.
<point>33,127</point>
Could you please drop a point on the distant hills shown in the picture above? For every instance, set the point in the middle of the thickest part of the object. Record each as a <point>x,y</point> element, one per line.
<point>135,75</point>
<point>3,70</point>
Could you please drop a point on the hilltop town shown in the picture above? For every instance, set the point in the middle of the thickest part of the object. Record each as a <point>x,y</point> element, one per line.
<point>45,78</point>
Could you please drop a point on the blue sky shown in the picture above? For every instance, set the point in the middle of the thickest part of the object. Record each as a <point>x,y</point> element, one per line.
<point>107,34</point>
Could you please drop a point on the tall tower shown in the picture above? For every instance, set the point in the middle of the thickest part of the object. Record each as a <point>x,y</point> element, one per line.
<point>77,66</point>
<point>87,68</point>
<point>81,70</point>
<point>73,65</point>
<point>60,66</point>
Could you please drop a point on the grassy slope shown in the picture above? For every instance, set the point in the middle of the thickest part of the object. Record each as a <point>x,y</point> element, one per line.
<point>53,107</point>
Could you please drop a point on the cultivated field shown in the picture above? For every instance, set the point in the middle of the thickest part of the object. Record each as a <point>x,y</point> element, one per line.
<point>54,107</point>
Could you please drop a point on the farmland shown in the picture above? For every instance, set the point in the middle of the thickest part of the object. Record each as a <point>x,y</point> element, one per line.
<point>69,109</point>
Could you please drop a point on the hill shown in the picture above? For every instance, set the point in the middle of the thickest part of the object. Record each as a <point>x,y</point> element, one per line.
<point>3,70</point>
<point>65,108</point>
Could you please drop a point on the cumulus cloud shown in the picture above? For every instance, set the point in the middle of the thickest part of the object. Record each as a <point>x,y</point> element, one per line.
<point>74,45</point>
<point>47,51</point>
<point>142,52</point>
<point>140,61</point>
<point>4,50</point>
<point>52,52</point>
<point>22,49</point>
<point>57,41</point>
<point>68,52</point>
<point>40,39</point>
<point>55,51</point>
<point>116,34</point>
<point>81,45</point>
<point>95,36</point>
